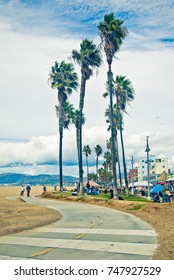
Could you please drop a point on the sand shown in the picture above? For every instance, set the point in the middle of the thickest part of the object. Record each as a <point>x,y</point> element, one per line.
<point>17,215</point>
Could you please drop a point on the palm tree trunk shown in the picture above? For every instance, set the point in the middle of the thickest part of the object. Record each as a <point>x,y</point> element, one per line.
<point>110,79</point>
<point>124,161</point>
<point>81,104</point>
<point>60,142</point>
<point>97,167</point>
<point>118,158</point>
<point>87,167</point>
<point>77,142</point>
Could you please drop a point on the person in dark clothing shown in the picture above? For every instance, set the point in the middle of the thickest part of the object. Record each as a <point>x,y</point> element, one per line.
<point>111,193</point>
<point>28,189</point>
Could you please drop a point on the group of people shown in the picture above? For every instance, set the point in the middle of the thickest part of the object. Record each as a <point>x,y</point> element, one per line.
<point>28,189</point>
<point>166,195</point>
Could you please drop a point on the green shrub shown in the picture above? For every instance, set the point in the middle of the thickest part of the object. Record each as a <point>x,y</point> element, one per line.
<point>136,207</point>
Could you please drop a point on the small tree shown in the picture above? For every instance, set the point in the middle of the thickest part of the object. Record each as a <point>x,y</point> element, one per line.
<point>87,152</point>
<point>98,150</point>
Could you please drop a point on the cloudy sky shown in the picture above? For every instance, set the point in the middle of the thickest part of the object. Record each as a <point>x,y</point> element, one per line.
<point>36,33</point>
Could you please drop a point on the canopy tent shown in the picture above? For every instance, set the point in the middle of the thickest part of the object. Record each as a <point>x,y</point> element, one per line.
<point>92,184</point>
<point>156,189</point>
<point>170,179</point>
<point>142,184</point>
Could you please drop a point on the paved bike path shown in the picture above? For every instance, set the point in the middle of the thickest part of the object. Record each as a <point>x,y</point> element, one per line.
<point>85,232</point>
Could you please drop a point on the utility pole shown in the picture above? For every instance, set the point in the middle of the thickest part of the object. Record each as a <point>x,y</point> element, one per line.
<point>132,162</point>
<point>148,163</point>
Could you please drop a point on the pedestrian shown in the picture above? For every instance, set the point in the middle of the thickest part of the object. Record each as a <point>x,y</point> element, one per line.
<point>44,188</point>
<point>111,193</point>
<point>28,188</point>
<point>22,191</point>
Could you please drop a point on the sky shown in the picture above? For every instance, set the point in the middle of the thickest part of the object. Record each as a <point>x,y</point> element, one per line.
<point>35,34</point>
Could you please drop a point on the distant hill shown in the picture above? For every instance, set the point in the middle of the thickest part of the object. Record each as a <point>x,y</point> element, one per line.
<point>41,179</point>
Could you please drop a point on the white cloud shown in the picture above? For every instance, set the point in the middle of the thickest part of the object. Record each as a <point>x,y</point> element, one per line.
<point>44,149</point>
<point>40,154</point>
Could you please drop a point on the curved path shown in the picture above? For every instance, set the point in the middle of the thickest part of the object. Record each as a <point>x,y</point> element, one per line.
<point>85,232</point>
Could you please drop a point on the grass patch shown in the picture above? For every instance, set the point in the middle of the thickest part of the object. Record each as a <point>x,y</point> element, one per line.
<point>105,196</point>
<point>134,198</point>
<point>80,198</point>
<point>136,207</point>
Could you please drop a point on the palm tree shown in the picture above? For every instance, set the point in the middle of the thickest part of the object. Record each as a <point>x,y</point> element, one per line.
<point>104,175</point>
<point>87,152</point>
<point>88,58</point>
<point>98,150</point>
<point>64,79</point>
<point>68,114</point>
<point>116,118</point>
<point>124,92</point>
<point>112,34</point>
<point>76,122</point>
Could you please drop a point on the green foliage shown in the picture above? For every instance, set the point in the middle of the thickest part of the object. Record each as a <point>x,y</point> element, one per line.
<point>92,176</point>
<point>89,58</point>
<point>105,176</point>
<point>63,77</point>
<point>86,150</point>
<point>112,34</point>
<point>80,198</point>
<point>98,149</point>
<point>136,207</point>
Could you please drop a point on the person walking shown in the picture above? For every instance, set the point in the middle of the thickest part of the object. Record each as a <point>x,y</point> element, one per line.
<point>22,191</point>
<point>28,188</point>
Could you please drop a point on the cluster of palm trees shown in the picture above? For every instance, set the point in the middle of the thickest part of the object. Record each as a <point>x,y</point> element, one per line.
<point>64,78</point>
<point>87,151</point>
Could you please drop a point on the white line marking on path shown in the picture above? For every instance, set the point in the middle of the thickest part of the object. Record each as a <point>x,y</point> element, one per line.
<point>98,231</point>
<point>114,247</point>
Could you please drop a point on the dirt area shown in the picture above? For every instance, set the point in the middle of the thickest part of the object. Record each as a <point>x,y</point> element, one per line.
<point>16,215</point>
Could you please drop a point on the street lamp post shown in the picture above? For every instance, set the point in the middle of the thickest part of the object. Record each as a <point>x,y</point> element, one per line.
<point>148,163</point>
<point>132,162</point>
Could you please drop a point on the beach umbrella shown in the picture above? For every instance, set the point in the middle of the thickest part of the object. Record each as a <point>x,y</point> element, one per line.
<point>142,184</point>
<point>157,188</point>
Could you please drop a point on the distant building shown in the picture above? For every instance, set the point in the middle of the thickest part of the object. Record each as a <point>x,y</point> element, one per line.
<point>142,167</point>
<point>161,165</point>
<point>133,174</point>
<point>158,168</point>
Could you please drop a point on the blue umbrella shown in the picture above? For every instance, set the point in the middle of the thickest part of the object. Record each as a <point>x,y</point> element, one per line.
<point>157,188</point>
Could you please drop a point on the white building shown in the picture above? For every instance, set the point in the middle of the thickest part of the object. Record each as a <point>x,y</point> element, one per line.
<point>161,165</point>
<point>157,167</point>
<point>142,166</point>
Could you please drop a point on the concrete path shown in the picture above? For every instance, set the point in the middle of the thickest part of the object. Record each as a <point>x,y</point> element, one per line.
<point>85,232</point>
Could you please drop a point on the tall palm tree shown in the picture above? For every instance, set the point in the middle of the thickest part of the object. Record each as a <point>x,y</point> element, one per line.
<point>88,58</point>
<point>62,77</point>
<point>124,92</point>
<point>76,122</point>
<point>87,152</point>
<point>112,34</point>
<point>109,142</point>
<point>98,149</point>
<point>68,114</point>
